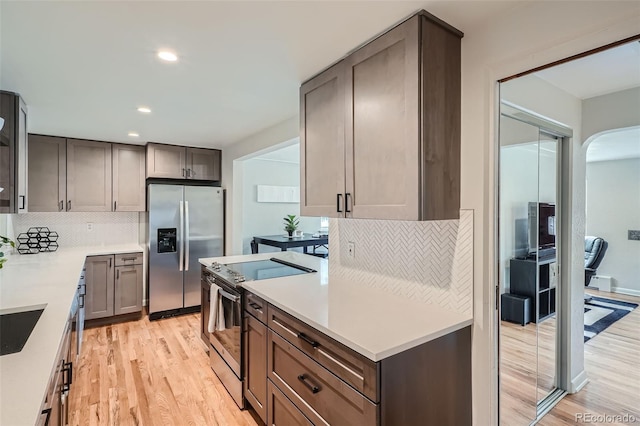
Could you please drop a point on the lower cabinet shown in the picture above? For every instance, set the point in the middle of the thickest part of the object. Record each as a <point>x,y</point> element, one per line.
<point>281,410</point>
<point>113,285</point>
<point>311,379</point>
<point>255,382</point>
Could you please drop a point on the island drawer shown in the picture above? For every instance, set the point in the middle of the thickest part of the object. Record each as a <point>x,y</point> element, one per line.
<point>350,366</point>
<point>125,259</point>
<point>255,306</point>
<point>316,391</point>
<point>281,410</point>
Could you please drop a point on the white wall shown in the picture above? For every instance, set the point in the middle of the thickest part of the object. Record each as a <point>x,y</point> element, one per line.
<point>232,173</point>
<point>613,111</point>
<point>267,218</point>
<point>611,213</point>
<point>522,38</point>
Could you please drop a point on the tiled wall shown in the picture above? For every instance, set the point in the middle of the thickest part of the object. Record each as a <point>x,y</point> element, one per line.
<point>428,261</point>
<point>108,228</point>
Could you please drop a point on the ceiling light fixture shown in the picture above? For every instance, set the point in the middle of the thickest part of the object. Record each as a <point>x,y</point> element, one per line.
<point>144,110</point>
<point>134,134</point>
<point>168,56</point>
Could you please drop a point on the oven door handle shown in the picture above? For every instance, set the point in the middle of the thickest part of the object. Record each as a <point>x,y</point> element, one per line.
<point>228,295</point>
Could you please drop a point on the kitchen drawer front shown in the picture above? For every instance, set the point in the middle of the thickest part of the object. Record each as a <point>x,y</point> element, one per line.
<point>353,368</point>
<point>255,306</point>
<point>281,410</point>
<point>126,259</point>
<point>308,384</point>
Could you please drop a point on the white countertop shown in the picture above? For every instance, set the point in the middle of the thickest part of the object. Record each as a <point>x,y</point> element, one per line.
<point>374,323</point>
<point>27,280</point>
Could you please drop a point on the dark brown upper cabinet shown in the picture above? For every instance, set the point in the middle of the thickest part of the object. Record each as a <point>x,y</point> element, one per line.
<point>179,162</point>
<point>380,130</point>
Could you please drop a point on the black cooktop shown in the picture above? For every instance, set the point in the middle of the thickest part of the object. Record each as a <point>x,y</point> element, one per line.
<point>15,329</point>
<point>265,269</point>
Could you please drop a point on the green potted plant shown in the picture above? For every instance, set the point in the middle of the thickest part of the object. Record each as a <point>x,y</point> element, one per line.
<point>291,224</point>
<point>4,241</point>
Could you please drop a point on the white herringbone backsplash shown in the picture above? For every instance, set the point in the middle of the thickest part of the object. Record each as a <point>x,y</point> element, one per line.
<point>108,228</point>
<point>430,261</point>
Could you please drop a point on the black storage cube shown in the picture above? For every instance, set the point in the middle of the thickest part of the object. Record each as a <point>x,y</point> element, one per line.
<point>515,308</point>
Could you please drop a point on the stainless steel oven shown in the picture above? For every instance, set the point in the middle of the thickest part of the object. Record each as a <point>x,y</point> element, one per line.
<point>225,351</point>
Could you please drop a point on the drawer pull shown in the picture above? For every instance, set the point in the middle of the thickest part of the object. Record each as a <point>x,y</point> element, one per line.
<point>326,355</point>
<point>256,306</point>
<point>126,259</point>
<point>313,388</point>
<point>308,340</point>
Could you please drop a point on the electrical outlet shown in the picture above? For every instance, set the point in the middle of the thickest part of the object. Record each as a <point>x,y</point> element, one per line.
<point>89,226</point>
<point>634,235</point>
<point>351,249</point>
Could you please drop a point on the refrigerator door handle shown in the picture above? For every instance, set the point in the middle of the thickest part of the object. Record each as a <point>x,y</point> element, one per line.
<point>181,242</point>
<point>186,236</point>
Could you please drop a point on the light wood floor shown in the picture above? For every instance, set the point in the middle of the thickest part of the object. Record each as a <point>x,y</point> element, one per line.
<point>611,363</point>
<point>150,373</point>
<point>157,373</point>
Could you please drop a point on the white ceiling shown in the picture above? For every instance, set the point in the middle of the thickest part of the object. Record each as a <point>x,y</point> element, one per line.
<point>609,71</point>
<point>84,67</point>
<point>616,145</point>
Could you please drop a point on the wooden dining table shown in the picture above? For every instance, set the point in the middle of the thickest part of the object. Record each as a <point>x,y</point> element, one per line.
<point>284,242</point>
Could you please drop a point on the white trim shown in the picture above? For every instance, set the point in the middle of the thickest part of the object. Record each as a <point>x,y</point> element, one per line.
<point>627,291</point>
<point>578,382</point>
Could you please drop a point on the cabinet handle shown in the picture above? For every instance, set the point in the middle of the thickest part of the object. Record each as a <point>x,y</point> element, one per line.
<point>46,419</point>
<point>117,273</point>
<point>68,205</point>
<point>313,388</point>
<point>61,206</point>
<point>67,376</point>
<point>184,172</point>
<point>346,202</point>
<point>124,259</point>
<point>307,339</point>
<point>82,302</point>
<point>23,203</point>
<point>338,199</point>
<point>115,206</point>
<point>110,259</point>
<point>256,306</point>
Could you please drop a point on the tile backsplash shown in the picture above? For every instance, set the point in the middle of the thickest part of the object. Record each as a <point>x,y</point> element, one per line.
<point>108,227</point>
<point>431,261</point>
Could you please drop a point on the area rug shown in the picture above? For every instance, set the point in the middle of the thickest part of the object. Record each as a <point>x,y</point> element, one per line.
<point>600,313</point>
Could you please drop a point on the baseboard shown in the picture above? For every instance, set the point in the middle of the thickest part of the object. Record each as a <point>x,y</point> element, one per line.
<point>578,382</point>
<point>627,291</point>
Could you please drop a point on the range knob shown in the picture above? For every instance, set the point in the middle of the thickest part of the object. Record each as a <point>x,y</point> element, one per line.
<point>239,278</point>
<point>216,266</point>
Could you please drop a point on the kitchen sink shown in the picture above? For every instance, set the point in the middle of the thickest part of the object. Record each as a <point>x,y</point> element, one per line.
<point>16,326</point>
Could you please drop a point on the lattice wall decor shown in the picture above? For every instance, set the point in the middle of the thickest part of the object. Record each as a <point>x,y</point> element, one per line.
<point>37,239</point>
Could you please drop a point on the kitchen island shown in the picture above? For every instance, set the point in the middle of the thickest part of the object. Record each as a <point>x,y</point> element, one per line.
<point>49,279</point>
<point>394,351</point>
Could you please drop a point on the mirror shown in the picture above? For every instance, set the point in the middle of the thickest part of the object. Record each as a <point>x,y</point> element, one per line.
<point>528,273</point>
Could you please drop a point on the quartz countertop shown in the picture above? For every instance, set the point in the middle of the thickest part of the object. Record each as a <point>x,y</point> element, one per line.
<point>49,279</point>
<point>373,322</point>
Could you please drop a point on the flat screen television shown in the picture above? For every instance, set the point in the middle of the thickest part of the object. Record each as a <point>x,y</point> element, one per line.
<point>542,228</point>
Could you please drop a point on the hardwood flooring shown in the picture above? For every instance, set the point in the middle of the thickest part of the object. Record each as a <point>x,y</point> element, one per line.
<point>150,373</point>
<point>610,361</point>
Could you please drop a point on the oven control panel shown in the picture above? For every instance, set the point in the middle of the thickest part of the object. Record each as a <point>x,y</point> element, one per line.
<point>224,273</point>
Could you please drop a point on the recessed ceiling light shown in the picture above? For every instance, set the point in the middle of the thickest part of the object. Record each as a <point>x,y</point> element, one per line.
<point>144,110</point>
<point>133,134</point>
<point>168,56</point>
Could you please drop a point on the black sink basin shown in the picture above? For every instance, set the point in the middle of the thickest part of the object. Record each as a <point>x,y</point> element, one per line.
<point>15,329</point>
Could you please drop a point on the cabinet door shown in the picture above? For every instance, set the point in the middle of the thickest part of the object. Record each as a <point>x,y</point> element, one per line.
<point>203,164</point>
<point>8,149</point>
<point>166,161</point>
<point>383,126</point>
<point>281,410</point>
<point>256,365</point>
<point>322,171</point>
<point>88,176</point>
<point>128,178</point>
<point>128,290</point>
<point>22,184</point>
<point>47,173</point>
<point>99,282</point>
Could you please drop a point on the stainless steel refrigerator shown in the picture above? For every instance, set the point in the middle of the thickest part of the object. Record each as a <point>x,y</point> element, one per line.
<point>185,223</point>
